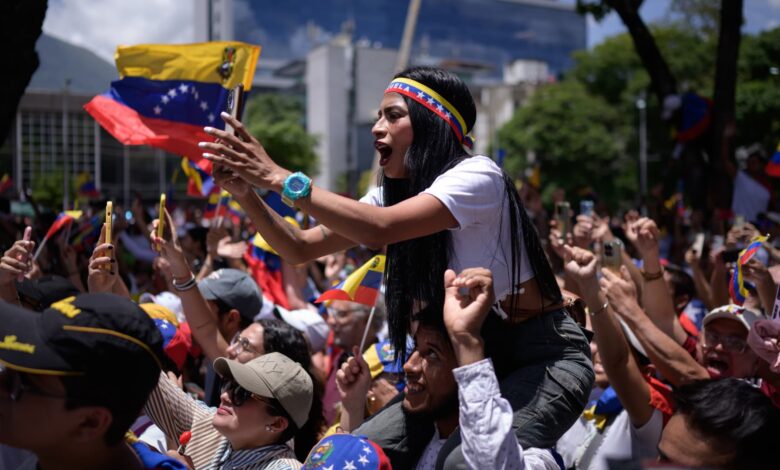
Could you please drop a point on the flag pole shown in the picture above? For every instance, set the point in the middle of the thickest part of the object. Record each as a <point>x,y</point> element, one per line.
<point>220,217</point>
<point>368,327</point>
<point>40,247</point>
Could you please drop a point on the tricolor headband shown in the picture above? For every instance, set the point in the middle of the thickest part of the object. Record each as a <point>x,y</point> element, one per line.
<point>436,103</point>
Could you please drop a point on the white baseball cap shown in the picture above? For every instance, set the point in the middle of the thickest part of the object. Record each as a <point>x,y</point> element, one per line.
<point>310,323</point>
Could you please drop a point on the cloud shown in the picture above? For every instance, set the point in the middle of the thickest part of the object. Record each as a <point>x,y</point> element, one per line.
<point>102,26</point>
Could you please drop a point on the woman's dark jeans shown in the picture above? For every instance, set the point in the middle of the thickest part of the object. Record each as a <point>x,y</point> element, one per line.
<point>545,372</point>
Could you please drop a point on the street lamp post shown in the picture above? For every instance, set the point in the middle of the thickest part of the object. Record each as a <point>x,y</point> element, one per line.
<point>641,105</point>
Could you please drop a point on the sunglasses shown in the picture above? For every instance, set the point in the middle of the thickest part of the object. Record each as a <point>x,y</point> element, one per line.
<point>16,384</point>
<point>239,396</point>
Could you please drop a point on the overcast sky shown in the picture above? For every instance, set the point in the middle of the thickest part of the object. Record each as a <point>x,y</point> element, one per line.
<point>102,25</point>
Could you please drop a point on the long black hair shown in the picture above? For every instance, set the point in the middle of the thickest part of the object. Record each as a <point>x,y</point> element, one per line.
<point>414,271</point>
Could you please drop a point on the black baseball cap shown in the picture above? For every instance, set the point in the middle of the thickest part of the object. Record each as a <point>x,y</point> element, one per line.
<point>44,291</point>
<point>82,335</point>
<point>234,288</point>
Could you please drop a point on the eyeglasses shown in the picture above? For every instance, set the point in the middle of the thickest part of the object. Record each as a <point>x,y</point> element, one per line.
<point>16,384</point>
<point>730,343</point>
<point>242,344</point>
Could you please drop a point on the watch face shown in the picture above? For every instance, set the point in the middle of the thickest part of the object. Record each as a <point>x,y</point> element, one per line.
<point>296,185</point>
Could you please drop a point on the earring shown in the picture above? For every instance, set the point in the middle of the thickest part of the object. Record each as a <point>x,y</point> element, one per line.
<point>372,399</point>
<point>268,428</point>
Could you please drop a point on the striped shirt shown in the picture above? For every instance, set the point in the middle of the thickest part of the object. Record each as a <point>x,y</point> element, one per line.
<point>175,412</point>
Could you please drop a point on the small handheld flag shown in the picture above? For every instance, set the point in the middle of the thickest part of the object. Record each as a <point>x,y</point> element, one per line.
<point>200,183</point>
<point>737,288</point>
<point>773,166</point>
<point>362,286</point>
<point>222,204</point>
<point>64,219</point>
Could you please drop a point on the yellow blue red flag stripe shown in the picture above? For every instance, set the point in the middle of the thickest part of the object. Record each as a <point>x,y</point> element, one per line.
<point>737,287</point>
<point>362,286</point>
<point>168,93</point>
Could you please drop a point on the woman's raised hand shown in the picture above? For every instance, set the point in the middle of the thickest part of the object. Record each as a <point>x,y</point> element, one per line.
<point>243,155</point>
<point>102,266</point>
<point>227,180</point>
<point>16,261</point>
<point>169,248</point>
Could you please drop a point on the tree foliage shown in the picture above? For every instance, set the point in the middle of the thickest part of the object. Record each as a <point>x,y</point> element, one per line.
<point>596,102</point>
<point>758,93</point>
<point>277,122</point>
<point>577,137</point>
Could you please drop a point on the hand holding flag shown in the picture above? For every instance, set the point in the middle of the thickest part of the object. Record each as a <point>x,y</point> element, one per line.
<point>64,219</point>
<point>737,288</point>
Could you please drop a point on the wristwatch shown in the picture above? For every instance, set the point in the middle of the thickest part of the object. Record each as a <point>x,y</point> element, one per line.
<point>295,186</point>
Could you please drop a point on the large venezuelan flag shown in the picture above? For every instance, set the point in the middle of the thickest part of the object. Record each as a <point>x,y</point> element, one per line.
<point>166,94</point>
<point>362,286</point>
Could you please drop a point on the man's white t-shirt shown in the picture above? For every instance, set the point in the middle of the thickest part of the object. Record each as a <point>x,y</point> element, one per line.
<point>750,197</point>
<point>622,441</point>
<point>475,194</point>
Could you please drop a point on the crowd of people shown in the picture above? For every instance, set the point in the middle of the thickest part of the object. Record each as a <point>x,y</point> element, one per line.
<point>502,338</point>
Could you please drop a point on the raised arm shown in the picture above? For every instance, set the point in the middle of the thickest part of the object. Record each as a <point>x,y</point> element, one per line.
<point>757,272</point>
<point>693,258</point>
<point>619,364</point>
<point>656,299</point>
<point>362,223</point>
<point>203,322</point>
<point>672,361</point>
<point>15,263</point>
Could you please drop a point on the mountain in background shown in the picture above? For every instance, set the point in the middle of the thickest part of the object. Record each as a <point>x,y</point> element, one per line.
<point>60,60</point>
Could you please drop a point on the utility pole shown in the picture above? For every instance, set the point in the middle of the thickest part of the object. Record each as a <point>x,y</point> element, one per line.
<point>408,36</point>
<point>65,156</point>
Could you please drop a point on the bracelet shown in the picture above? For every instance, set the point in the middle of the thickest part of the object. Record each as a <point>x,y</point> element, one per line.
<point>603,307</point>
<point>652,276</point>
<point>187,285</point>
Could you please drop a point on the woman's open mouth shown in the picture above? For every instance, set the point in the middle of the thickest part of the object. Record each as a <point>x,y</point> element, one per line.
<point>384,152</point>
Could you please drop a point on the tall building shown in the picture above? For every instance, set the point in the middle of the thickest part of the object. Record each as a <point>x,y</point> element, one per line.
<point>341,53</point>
<point>490,32</point>
<point>53,137</point>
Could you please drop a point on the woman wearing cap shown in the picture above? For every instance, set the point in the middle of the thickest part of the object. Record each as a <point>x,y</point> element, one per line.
<point>437,207</point>
<point>264,404</point>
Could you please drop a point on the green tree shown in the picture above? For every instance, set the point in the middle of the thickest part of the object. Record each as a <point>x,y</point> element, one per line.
<point>758,93</point>
<point>277,122</point>
<point>578,139</point>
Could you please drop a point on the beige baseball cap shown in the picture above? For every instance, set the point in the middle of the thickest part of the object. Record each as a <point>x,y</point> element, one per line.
<point>273,375</point>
